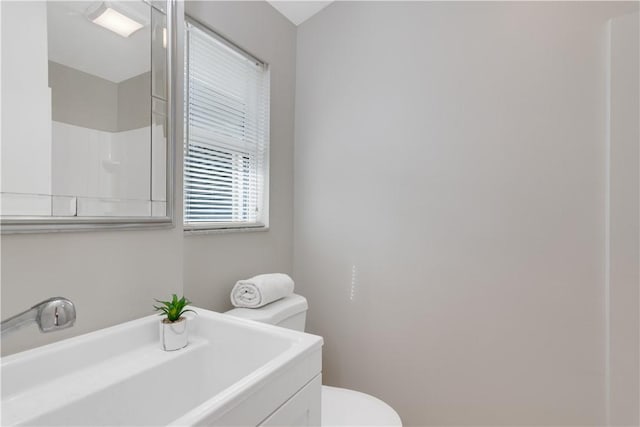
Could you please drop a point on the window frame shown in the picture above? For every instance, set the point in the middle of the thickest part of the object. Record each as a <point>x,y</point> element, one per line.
<point>262,223</point>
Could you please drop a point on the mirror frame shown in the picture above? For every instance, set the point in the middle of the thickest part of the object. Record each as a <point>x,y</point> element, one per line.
<point>37,224</point>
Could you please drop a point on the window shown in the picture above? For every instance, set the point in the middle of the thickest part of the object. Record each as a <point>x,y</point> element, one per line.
<point>226,144</point>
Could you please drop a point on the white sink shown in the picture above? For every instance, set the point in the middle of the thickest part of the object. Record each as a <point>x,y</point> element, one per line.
<point>233,372</point>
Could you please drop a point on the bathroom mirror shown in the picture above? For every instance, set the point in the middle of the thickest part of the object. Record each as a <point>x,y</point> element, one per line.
<point>87,134</point>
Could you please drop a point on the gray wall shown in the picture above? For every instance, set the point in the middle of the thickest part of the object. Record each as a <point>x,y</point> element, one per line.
<point>82,99</point>
<point>450,185</point>
<point>111,276</point>
<point>134,102</point>
<point>624,221</point>
<point>213,262</point>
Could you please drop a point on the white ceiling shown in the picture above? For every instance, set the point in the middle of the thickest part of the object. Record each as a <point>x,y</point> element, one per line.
<point>78,43</point>
<point>299,11</point>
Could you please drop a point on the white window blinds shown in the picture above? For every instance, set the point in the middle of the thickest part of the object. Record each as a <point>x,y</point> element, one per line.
<point>226,133</point>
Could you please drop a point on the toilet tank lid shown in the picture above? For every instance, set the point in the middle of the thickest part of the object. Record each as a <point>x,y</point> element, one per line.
<point>275,312</point>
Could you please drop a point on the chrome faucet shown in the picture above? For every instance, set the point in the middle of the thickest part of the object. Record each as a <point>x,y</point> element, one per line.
<point>50,315</point>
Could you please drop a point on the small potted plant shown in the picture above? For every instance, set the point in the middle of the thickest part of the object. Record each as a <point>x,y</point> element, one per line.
<point>173,328</point>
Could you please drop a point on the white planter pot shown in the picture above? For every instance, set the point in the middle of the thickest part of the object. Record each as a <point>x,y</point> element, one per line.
<point>173,336</point>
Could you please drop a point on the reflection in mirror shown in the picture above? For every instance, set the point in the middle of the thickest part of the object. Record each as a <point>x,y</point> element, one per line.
<point>84,109</point>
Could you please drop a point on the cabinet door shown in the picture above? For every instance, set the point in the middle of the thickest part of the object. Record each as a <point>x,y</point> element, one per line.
<point>302,409</point>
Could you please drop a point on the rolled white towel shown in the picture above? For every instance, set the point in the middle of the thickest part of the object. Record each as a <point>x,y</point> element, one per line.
<point>261,290</point>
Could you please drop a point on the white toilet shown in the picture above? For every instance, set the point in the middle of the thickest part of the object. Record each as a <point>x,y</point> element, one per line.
<point>340,406</point>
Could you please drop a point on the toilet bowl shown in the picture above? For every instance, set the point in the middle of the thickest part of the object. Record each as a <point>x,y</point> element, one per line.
<point>344,407</point>
<point>340,406</point>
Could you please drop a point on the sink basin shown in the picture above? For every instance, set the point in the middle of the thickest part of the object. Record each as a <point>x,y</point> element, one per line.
<point>233,372</point>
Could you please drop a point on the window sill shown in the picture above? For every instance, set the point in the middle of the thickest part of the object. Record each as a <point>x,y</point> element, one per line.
<point>213,229</point>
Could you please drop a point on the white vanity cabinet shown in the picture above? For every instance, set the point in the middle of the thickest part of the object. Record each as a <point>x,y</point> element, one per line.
<point>302,409</point>
<point>288,397</point>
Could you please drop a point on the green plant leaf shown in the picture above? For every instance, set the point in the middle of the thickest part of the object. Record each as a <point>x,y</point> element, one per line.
<point>174,308</point>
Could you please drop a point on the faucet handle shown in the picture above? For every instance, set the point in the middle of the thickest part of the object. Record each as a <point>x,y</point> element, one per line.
<point>55,313</point>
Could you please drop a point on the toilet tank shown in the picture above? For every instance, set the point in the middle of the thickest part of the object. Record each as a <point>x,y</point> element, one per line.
<point>289,312</point>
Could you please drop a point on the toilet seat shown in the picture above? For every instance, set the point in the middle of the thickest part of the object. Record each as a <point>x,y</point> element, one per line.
<point>342,407</point>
